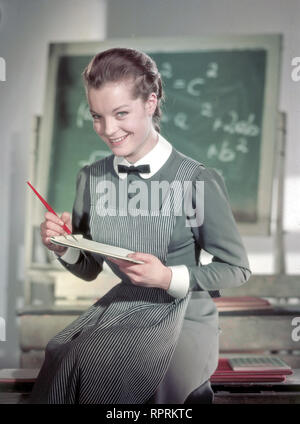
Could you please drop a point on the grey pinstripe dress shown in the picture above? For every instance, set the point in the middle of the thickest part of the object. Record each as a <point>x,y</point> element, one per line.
<point>127,347</point>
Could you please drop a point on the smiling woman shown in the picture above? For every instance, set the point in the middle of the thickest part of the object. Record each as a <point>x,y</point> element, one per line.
<point>128,133</point>
<point>125,101</point>
<point>153,338</point>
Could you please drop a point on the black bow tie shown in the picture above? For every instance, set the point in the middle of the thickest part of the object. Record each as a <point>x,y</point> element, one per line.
<point>128,169</point>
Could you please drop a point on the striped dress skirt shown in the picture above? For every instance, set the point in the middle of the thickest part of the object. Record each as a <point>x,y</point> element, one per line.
<point>117,352</point>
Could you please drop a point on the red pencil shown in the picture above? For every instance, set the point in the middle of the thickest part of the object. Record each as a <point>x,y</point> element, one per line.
<point>48,207</point>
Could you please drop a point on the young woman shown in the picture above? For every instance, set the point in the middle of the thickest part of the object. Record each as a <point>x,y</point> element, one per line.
<point>153,338</point>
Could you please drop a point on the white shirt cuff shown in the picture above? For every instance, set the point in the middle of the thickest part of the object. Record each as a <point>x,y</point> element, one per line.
<point>180,281</point>
<point>71,256</point>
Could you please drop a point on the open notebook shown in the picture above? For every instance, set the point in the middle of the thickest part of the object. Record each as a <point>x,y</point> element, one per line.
<point>93,246</point>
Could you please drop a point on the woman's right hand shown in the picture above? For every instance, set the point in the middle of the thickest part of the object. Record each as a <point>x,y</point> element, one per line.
<point>52,226</point>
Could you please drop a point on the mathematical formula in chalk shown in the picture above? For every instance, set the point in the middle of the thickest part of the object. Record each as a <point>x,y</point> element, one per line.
<point>192,87</point>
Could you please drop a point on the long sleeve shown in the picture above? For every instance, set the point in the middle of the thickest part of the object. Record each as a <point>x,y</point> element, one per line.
<point>180,281</point>
<point>88,265</point>
<point>219,236</point>
<point>71,256</point>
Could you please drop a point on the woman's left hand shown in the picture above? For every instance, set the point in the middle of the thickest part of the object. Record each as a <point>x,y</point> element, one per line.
<point>152,273</point>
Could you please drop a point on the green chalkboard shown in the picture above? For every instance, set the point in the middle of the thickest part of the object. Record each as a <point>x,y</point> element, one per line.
<point>217,110</point>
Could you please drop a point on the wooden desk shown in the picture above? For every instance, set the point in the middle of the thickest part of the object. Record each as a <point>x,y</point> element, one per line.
<point>16,386</point>
<point>243,332</point>
<point>287,392</point>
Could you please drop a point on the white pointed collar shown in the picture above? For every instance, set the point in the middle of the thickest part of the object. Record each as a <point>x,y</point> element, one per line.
<point>155,158</point>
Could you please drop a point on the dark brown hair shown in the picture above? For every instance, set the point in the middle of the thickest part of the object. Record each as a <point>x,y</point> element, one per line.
<point>122,64</point>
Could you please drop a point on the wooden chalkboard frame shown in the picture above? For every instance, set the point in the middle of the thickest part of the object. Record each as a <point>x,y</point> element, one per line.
<point>272,45</point>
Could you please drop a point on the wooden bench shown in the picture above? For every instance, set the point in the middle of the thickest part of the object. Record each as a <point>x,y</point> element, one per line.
<point>16,386</point>
<point>243,332</point>
<point>266,332</point>
<point>287,392</point>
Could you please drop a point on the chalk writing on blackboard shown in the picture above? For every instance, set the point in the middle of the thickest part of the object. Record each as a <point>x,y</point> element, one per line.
<point>206,109</point>
<point>193,86</point>
<point>212,71</point>
<point>166,71</point>
<point>236,126</point>
<point>226,153</point>
<point>180,119</point>
<point>83,114</point>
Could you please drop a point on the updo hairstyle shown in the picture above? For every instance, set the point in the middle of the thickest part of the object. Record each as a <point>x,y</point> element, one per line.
<point>119,64</point>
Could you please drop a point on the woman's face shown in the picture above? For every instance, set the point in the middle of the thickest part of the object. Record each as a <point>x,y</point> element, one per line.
<point>123,123</point>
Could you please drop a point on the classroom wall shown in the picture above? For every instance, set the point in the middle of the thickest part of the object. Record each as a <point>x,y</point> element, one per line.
<point>143,18</point>
<point>26,28</point>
